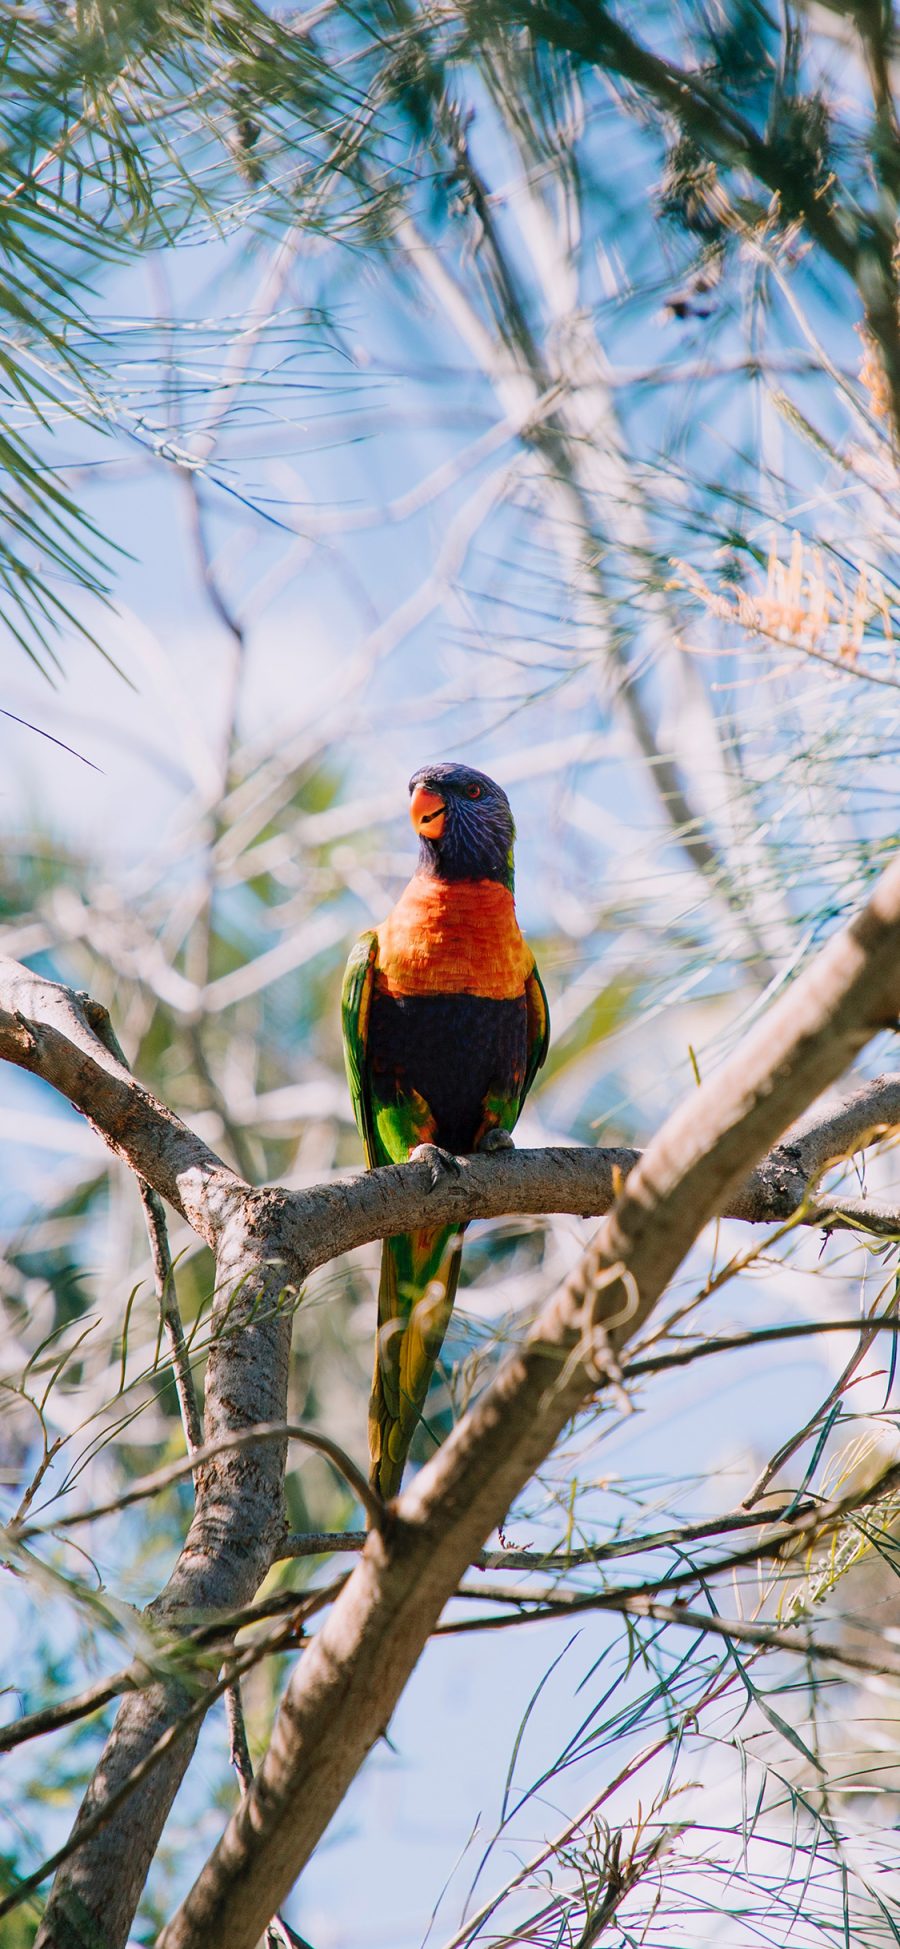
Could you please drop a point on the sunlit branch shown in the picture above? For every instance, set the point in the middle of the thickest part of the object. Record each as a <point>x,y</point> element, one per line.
<point>165,1478</point>
<point>769,1637</point>
<point>44,1028</point>
<point>345,1687</point>
<point>180,1729</point>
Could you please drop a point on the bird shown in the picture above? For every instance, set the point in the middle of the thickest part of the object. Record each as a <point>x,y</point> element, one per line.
<point>445,1026</point>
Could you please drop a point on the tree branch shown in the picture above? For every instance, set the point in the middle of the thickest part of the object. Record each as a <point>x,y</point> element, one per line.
<point>150,1485</point>
<point>45,1029</point>
<point>269,1241</point>
<point>342,1694</point>
<point>233,1538</point>
<point>770,1637</point>
<point>814,1524</point>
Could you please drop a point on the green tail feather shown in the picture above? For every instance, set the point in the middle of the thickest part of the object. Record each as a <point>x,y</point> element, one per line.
<point>419,1277</point>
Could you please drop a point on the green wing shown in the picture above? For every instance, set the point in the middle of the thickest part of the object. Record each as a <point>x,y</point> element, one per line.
<point>356,1003</point>
<point>538,1028</point>
<point>418,1273</point>
<point>418,1278</point>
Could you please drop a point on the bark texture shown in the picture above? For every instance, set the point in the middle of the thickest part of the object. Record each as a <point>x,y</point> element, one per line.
<point>344,1689</point>
<point>232,1541</point>
<point>703,1162</point>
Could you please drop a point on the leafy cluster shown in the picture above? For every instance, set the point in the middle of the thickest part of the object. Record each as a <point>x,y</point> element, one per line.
<point>648,559</point>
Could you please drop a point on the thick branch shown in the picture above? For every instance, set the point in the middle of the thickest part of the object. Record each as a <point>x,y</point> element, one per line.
<point>237,1525</point>
<point>268,1243</point>
<point>345,1689</point>
<point>45,1028</point>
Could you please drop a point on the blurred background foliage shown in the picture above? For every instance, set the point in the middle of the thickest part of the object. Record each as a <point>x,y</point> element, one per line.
<point>516,382</point>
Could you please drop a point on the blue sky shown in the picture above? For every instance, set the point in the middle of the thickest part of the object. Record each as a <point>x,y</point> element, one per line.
<point>383,625</point>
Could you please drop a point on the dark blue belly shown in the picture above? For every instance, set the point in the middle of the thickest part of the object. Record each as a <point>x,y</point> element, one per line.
<point>453,1050</point>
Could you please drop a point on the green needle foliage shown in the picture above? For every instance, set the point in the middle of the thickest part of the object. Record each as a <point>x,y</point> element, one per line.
<point>121,126</point>
<point>523,381</point>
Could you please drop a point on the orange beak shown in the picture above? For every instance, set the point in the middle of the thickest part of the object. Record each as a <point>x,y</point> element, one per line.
<point>428,812</point>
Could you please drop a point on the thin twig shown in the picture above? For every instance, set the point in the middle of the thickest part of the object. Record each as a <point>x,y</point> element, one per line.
<point>816,1520</point>
<point>278,1934</point>
<point>868,1331</point>
<point>98,1017</point>
<point>556,1556</point>
<point>150,1485</point>
<point>238,1746</point>
<point>551,1849</point>
<point>169,1661</point>
<point>760,1336</point>
<point>280,1636</point>
<point>770,1637</point>
<point>170,1315</point>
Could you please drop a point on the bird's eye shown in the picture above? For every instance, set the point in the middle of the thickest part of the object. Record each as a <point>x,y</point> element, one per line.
<point>473,791</point>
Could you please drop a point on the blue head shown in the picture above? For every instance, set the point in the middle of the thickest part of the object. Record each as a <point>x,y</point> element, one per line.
<point>464,823</point>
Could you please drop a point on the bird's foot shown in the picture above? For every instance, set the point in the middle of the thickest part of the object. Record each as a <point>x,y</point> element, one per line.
<point>439,1162</point>
<point>493,1140</point>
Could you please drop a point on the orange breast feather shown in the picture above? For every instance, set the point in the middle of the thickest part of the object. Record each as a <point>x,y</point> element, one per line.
<point>453,937</point>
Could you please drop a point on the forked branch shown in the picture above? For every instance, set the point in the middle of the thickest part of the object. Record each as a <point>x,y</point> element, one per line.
<point>703,1162</point>
<point>345,1689</point>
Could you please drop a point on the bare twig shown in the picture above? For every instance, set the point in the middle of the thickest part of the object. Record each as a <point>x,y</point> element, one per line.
<point>633,1604</point>
<point>185,1724</point>
<point>170,1314</point>
<point>151,1485</point>
<point>341,1696</point>
<point>43,1029</point>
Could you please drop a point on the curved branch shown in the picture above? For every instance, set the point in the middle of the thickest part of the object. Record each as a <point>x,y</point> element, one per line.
<point>770,1637</point>
<point>268,1241</point>
<point>151,1485</point>
<point>46,1029</point>
<point>342,1694</point>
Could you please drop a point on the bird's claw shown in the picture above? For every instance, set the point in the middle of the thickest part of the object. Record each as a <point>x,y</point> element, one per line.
<point>494,1140</point>
<point>439,1162</point>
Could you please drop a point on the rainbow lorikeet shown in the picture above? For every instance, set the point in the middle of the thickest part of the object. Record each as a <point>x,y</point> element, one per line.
<point>445,1024</point>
